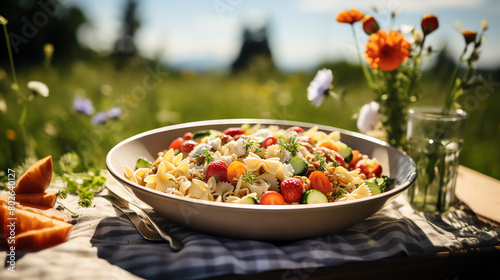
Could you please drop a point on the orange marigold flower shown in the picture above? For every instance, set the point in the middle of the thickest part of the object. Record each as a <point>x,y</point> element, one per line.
<point>370,25</point>
<point>351,16</point>
<point>429,23</point>
<point>386,51</point>
<point>469,36</point>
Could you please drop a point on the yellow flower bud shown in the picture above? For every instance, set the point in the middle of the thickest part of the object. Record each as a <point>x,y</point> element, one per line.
<point>484,24</point>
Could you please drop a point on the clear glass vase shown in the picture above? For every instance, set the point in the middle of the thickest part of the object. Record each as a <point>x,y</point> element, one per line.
<point>434,141</point>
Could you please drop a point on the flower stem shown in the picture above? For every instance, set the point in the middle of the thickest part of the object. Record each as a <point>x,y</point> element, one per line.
<point>73,214</point>
<point>415,69</point>
<point>29,150</point>
<point>15,85</point>
<point>448,101</point>
<point>395,115</point>
<point>363,66</point>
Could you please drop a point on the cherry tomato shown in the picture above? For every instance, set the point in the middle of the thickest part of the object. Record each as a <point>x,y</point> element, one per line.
<point>234,131</point>
<point>356,156</point>
<point>371,168</point>
<point>297,129</point>
<point>176,144</point>
<point>272,198</point>
<point>235,170</point>
<point>320,182</point>
<point>271,140</point>
<point>187,146</point>
<point>340,159</point>
<point>188,136</point>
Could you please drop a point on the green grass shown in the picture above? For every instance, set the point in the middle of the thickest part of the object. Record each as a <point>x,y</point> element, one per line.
<point>188,96</point>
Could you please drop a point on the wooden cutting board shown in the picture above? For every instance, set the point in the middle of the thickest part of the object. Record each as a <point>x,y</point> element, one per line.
<point>480,192</point>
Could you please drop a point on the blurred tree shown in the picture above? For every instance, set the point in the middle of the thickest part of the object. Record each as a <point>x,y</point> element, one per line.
<point>125,46</point>
<point>254,50</point>
<point>32,24</point>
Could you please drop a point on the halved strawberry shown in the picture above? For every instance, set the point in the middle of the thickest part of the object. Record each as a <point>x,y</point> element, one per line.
<point>217,169</point>
<point>292,189</point>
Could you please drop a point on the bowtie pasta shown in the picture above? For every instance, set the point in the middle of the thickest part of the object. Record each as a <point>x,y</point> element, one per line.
<point>262,165</point>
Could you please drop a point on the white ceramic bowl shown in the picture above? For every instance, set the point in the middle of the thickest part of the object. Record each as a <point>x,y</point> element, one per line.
<point>263,222</point>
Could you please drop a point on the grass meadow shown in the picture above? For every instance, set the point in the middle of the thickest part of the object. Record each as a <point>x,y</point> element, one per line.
<point>151,96</point>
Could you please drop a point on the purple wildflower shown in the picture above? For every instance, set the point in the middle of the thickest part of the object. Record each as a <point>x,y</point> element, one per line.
<point>83,106</point>
<point>114,113</point>
<point>99,118</point>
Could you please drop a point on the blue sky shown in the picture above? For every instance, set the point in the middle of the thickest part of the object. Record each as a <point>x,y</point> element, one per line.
<point>303,33</point>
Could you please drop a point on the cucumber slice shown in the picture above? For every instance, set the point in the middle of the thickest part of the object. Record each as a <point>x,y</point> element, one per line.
<point>201,134</point>
<point>374,186</point>
<point>346,153</point>
<point>248,200</point>
<point>142,163</point>
<point>299,166</point>
<point>312,197</point>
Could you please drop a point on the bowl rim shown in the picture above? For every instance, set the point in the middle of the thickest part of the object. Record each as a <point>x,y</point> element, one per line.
<point>393,192</point>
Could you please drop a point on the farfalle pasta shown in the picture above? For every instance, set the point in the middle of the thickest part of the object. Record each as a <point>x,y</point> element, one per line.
<point>274,166</point>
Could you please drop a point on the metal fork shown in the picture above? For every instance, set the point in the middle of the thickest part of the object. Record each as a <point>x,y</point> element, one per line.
<point>148,222</point>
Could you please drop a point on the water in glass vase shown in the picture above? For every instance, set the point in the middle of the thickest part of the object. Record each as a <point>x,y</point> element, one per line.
<point>437,164</point>
<point>434,140</point>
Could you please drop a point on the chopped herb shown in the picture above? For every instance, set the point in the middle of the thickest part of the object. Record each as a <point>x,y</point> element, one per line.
<point>290,142</point>
<point>249,177</point>
<point>207,157</point>
<point>340,193</point>
<point>250,147</point>
<point>321,159</point>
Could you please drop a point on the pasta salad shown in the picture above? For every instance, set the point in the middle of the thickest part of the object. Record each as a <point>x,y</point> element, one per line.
<point>262,165</point>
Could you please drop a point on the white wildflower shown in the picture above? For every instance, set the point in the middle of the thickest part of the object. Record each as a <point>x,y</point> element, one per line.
<point>38,88</point>
<point>368,117</point>
<point>418,36</point>
<point>318,87</point>
<point>406,29</point>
